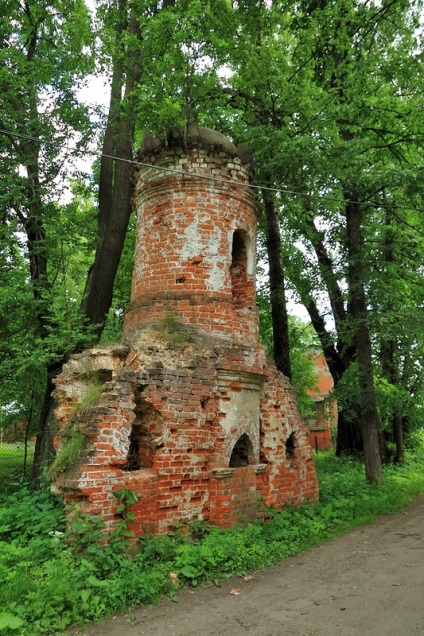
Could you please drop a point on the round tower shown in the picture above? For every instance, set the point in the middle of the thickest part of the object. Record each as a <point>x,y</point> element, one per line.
<point>195,254</point>
<point>209,429</point>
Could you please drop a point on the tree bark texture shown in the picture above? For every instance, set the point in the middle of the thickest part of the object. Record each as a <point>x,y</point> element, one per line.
<point>370,421</point>
<point>115,184</point>
<point>280,329</point>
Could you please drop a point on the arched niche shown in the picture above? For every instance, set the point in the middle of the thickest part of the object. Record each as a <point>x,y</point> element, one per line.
<point>240,263</point>
<point>243,453</point>
<point>147,424</point>
<point>291,445</point>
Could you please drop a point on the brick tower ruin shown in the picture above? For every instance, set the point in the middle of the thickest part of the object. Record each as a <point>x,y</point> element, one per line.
<point>188,413</point>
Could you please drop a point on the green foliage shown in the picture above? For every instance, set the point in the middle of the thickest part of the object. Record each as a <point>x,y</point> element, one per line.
<point>323,93</point>
<point>12,465</point>
<point>74,443</point>
<point>10,621</point>
<point>24,351</point>
<point>52,579</point>
<point>46,56</point>
<point>27,515</point>
<point>74,438</point>
<point>92,396</point>
<point>183,48</point>
<point>347,502</point>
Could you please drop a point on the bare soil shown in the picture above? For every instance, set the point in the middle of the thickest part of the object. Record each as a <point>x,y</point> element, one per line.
<point>369,582</point>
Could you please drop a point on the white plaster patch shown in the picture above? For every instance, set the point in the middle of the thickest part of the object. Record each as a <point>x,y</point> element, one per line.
<point>196,242</point>
<point>242,413</point>
<point>242,404</point>
<point>120,444</point>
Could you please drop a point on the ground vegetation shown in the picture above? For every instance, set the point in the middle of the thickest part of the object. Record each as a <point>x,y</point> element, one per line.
<point>54,577</point>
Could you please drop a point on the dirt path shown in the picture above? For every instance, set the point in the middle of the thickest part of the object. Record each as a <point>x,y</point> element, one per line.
<point>368,582</point>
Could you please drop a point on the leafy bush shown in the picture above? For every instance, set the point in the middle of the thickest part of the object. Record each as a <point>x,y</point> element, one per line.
<point>29,514</point>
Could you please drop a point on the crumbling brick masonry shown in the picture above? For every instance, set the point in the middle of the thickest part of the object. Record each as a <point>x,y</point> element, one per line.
<point>189,413</point>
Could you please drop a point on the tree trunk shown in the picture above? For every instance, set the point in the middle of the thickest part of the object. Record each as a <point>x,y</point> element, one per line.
<point>389,346</point>
<point>280,329</point>
<point>349,435</point>
<point>388,354</point>
<point>37,253</point>
<point>115,184</point>
<point>370,421</point>
<point>47,428</point>
<point>398,437</point>
<point>339,355</point>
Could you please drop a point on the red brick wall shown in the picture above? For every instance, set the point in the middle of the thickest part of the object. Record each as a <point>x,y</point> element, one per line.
<point>233,496</point>
<point>183,255</point>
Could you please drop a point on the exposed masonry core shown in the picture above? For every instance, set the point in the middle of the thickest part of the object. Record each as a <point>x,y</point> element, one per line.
<point>190,414</point>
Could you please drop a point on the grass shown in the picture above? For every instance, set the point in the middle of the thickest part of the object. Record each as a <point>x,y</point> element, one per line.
<point>69,454</point>
<point>348,501</point>
<point>12,465</point>
<point>52,580</point>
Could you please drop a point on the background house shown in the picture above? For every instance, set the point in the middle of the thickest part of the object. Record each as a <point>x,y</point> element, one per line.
<point>322,424</point>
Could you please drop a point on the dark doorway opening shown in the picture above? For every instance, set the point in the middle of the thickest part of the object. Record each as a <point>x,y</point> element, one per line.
<point>239,263</point>
<point>242,454</point>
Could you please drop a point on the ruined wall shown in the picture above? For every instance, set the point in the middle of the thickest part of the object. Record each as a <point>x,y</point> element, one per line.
<point>325,418</point>
<point>189,413</point>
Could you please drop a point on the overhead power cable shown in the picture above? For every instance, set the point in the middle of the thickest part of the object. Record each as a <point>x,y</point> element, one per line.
<point>184,173</point>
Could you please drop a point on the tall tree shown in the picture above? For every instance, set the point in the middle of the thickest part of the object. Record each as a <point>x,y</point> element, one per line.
<point>280,327</point>
<point>44,55</point>
<point>397,298</point>
<point>330,103</point>
<point>116,165</point>
<point>123,23</point>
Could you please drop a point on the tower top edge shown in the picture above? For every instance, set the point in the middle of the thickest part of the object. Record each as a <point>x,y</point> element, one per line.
<point>196,137</point>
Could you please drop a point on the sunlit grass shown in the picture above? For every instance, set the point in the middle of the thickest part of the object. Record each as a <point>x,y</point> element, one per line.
<point>12,459</point>
<point>353,501</point>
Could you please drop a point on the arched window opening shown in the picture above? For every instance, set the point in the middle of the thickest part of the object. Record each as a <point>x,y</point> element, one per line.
<point>239,263</point>
<point>146,425</point>
<point>290,446</point>
<point>242,454</point>
<point>133,457</point>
